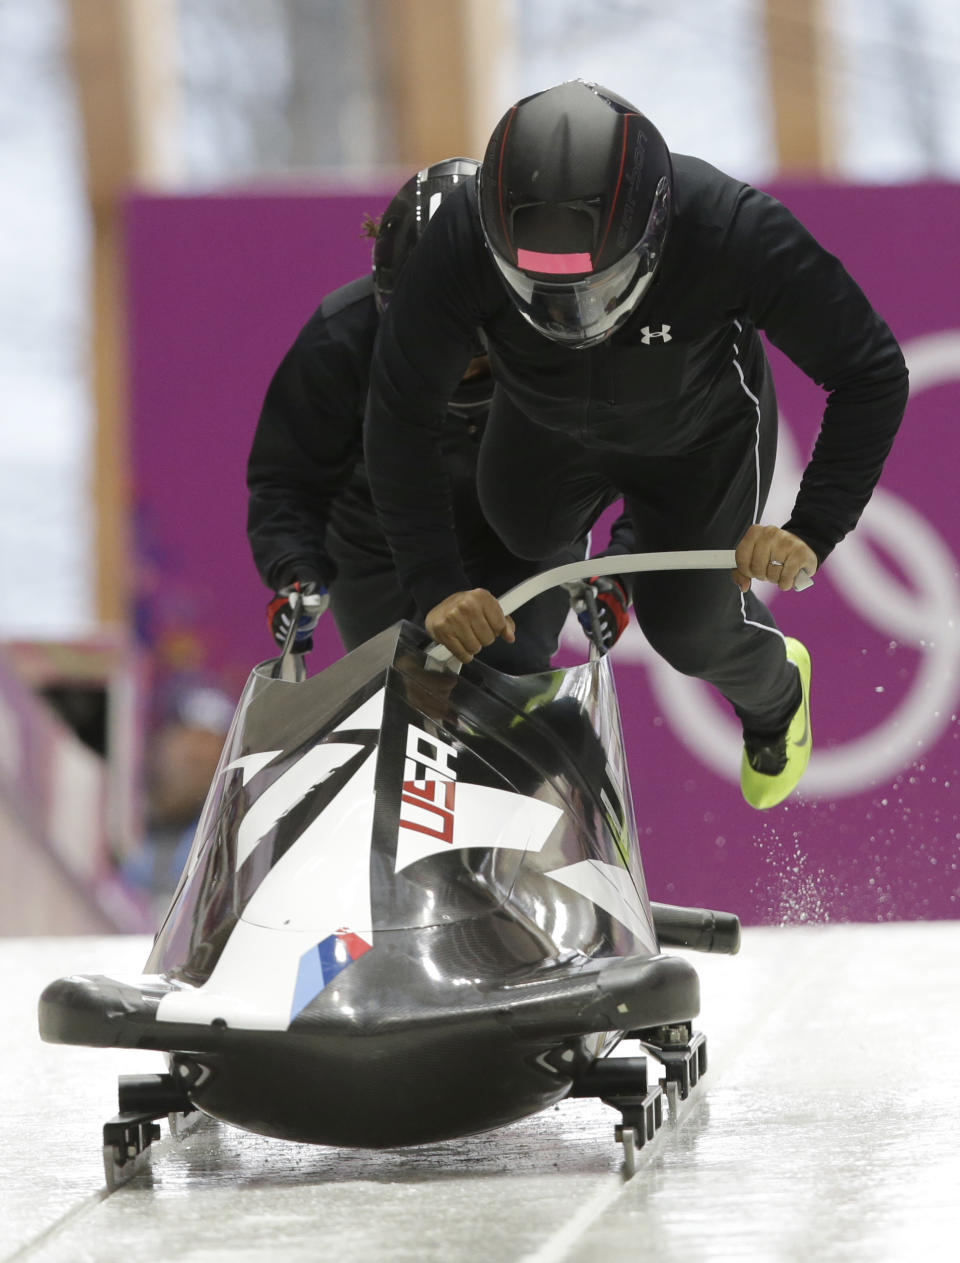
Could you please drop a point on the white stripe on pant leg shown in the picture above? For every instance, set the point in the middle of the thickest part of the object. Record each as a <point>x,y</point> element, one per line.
<point>752,622</point>
<point>756,447</point>
<point>749,622</point>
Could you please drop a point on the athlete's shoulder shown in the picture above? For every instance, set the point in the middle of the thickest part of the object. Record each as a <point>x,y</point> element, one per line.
<point>703,195</point>
<point>355,299</point>
<point>337,341</point>
<point>725,214</point>
<point>346,318</point>
<point>696,173</point>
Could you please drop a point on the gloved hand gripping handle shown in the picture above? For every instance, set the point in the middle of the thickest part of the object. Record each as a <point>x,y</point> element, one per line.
<point>290,665</point>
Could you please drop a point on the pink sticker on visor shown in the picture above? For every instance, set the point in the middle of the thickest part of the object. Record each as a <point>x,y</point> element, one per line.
<point>555,264</point>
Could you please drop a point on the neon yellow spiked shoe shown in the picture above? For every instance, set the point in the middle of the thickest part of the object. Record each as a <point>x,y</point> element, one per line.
<point>772,766</point>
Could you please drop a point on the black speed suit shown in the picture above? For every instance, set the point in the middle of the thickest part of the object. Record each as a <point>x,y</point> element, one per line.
<point>675,411</point>
<point>310,508</point>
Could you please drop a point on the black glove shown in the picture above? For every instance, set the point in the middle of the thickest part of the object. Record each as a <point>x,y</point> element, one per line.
<point>603,610</point>
<point>313,601</point>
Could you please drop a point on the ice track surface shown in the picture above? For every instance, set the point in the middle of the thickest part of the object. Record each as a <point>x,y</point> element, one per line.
<point>827,1128</point>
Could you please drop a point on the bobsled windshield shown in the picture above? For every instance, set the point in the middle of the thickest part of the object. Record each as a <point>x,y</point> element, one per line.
<point>380,795</point>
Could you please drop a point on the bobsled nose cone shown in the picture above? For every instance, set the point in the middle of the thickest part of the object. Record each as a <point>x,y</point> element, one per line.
<point>103,1012</point>
<point>76,1010</point>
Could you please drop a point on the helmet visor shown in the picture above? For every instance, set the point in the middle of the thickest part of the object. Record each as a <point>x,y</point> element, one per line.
<point>587,310</point>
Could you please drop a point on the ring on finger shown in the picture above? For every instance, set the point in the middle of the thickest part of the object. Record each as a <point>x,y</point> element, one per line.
<point>776,563</point>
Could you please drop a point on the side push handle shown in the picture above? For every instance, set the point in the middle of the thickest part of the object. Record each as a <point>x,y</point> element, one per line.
<point>698,929</point>
<point>628,563</point>
<point>290,666</point>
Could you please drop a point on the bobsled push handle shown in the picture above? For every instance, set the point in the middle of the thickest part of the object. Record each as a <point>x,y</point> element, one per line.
<point>289,665</point>
<point>699,929</point>
<point>628,563</point>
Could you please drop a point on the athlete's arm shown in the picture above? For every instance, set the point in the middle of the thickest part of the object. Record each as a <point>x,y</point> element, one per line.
<point>426,339</point>
<point>307,443</point>
<point>810,308</point>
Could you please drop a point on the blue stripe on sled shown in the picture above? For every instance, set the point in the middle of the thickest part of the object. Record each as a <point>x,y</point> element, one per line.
<point>318,965</point>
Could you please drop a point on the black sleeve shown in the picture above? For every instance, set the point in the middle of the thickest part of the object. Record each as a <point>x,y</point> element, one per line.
<point>623,537</point>
<point>809,307</point>
<point>306,446</point>
<point>425,341</point>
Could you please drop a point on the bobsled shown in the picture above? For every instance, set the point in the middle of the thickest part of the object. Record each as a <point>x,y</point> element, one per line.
<point>414,909</point>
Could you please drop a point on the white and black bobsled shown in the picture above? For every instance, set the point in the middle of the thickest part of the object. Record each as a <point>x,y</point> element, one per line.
<point>414,909</point>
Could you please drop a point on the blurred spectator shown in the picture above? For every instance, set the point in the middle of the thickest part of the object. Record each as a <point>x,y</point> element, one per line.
<point>181,761</point>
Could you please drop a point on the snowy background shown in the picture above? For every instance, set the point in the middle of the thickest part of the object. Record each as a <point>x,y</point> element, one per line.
<point>275,89</point>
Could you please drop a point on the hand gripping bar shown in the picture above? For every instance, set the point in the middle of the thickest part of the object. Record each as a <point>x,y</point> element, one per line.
<point>628,563</point>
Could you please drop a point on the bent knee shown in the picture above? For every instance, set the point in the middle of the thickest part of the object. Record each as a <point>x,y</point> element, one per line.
<point>687,638</point>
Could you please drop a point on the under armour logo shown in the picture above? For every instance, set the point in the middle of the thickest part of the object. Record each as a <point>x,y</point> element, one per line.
<point>649,334</point>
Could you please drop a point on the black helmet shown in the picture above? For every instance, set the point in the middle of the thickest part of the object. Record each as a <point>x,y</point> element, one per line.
<point>575,193</point>
<point>407,216</point>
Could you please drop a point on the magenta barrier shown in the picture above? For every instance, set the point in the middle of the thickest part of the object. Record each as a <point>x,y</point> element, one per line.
<point>219,287</point>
